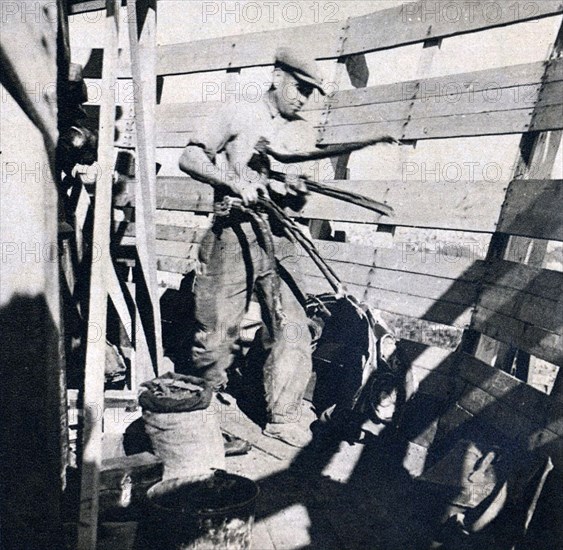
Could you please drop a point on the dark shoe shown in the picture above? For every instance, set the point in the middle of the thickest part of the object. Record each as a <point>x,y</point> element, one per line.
<point>235,446</point>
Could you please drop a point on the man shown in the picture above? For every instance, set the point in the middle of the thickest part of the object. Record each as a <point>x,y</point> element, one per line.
<point>233,259</point>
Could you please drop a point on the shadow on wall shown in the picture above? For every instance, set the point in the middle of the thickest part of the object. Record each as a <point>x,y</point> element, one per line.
<point>32,425</point>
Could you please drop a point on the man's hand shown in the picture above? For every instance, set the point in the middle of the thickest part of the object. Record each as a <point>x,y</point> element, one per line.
<point>295,185</point>
<point>249,191</point>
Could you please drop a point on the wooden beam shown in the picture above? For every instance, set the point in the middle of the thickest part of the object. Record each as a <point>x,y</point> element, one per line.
<point>76,7</point>
<point>413,22</point>
<point>532,209</point>
<point>142,40</point>
<point>165,233</point>
<point>462,205</point>
<point>176,249</point>
<point>521,306</point>
<point>441,263</point>
<point>513,407</point>
<point>544,313</point>
<point>516,121</point>
<point>507,99</point>
<point>419,21</point>
<point>115,293</point>
<point>420,109</point>
<point>536,282</point>
<point>536,157</point>
<point>428,333</point>
<point>96,346</point>
<point>447,89</point>
<point>525,399</point>
<point>248,50</point>
<point>534,340</point>
<point>340,258</point>
<point>457,124</point>
<point>410,284</point>
<point>438,311</point>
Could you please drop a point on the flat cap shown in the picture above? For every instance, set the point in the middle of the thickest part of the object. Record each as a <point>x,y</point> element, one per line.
<point>301,66</point>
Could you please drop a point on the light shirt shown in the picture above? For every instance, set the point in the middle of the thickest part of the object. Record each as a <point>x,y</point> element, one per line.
<point>238,130</point>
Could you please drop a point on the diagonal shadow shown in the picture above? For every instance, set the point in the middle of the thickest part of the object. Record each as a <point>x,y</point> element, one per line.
<point>400,506</point>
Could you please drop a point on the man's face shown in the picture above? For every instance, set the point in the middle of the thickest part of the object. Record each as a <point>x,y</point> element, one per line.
<point>291,94</point>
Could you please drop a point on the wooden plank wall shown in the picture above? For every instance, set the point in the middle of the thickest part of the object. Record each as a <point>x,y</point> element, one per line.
<point>430,295</point>
<point>403,109</point>
<point>492,101</point>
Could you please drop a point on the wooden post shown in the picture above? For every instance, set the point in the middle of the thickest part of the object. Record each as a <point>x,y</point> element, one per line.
<point>96,345</point>
<point>535,161</point>
<point>142,40</point>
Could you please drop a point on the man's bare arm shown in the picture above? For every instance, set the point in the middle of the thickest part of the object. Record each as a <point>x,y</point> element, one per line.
<point>326,151</point>
<point>196,164</point>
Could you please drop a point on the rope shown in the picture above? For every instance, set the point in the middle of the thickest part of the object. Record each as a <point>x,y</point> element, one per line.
<point>262,227</point>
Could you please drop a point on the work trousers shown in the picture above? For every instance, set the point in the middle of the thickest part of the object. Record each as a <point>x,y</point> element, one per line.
<point>234,267</point>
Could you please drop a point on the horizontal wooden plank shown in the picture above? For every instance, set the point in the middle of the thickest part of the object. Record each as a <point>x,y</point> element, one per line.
<point>459,125</point>
<point>401,119</point>
<point>176,265</point>
<point>522,306</point>
<point>422,331</point>
<point>386,265</point>
<point>410,284</point>
<point>492,90</point>
<point>483,102</point>
<point>521,397</point>
<point>430,358</point>
<point>534,421</point>
<point>490,410</point>
<point>407,24</point>
<point>183,193</point>
<point>419,21</point>
<point>480,124</point>
<point>467,206</point>
<point>467,103</point>
<point>163,232</point>
<point>183,218</point>
<point>547,118</point>
<point>164,248</point>
<point>438,311</point>
<point>247,50</point>
<point>540,312</point>
<point>452,313</point>
<point>76,7</point>
<point>532,209</point>
<point>533,340</point>
<point>450,88</point>
<point>543,283</point>
<point>412,257</point>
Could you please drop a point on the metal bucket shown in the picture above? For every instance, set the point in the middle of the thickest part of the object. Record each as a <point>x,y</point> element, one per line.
<point>215,513</point>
